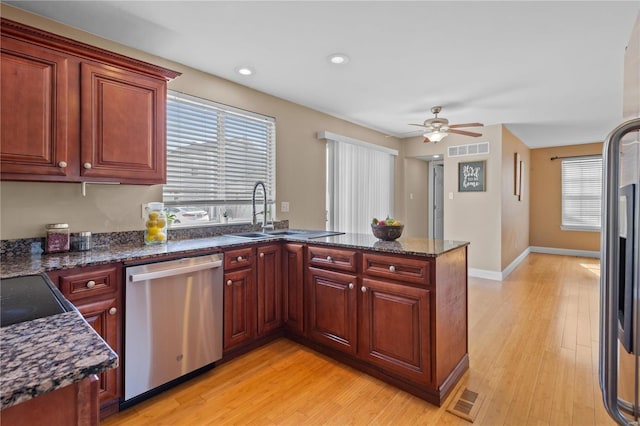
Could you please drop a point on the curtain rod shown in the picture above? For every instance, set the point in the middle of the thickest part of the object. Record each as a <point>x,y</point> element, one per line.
<point>576,156</point>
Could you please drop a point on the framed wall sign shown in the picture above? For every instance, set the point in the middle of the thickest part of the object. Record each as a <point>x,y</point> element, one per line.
<point>471,176</point>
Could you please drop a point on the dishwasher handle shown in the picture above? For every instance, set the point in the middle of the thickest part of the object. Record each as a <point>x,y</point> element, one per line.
<point>172,270</point>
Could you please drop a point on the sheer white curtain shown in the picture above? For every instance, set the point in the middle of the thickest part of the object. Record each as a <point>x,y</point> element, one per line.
<point>359,185</point>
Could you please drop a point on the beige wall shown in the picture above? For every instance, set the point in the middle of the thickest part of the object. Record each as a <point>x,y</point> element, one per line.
<point>300,157</point>
<point>546,200</point>
<point>416,198</point>
<point>515,213</point>
<point>470,216</point>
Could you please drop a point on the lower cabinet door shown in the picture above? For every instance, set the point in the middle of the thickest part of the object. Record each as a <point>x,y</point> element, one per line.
<point>395,329</point>
<point>331,306</point>
<point>103,315</point>
<point>292,285</point>
<point>239,308</point>
<point>269,288</point>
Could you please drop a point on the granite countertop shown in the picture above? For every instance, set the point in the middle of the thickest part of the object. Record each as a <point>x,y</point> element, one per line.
<point>33,264</point>
<point>49,353</point>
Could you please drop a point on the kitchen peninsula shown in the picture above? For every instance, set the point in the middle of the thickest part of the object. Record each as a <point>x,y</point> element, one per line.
<point>396,310</point>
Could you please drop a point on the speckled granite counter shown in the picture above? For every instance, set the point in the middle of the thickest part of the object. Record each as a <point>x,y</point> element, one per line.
<point>33,264</point>
<point>49,353</point>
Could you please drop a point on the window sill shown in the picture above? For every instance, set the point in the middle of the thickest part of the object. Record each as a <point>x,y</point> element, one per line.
<point>579,228</point>
<point>207,224</point>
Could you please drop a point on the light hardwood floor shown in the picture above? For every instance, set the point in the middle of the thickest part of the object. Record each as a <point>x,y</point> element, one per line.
<point>533,345</point>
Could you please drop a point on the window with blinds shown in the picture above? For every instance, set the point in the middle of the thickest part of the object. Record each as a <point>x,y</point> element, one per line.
<point>216,154</point>
<point>581,194</point>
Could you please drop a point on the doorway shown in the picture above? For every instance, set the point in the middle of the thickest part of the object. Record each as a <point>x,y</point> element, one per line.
<point>436,199</point>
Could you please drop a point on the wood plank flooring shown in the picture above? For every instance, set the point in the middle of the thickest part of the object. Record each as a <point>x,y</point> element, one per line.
<point>533,345</point>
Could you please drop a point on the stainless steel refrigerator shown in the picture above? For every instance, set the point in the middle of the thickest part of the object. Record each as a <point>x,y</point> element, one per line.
<point>620,250</point>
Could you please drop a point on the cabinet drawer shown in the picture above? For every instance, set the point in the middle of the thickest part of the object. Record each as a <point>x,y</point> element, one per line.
<point>240,258</point>
<point>396,268</point>
<point>88,282</point>
<point>343,260</point>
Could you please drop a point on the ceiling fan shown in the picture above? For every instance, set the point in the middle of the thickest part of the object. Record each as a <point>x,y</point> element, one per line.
<point>437,128</point>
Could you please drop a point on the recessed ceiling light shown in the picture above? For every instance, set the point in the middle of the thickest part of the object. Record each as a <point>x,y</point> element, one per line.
<point>436,156</point>
<point>244,71</point>
<point>338,58</point>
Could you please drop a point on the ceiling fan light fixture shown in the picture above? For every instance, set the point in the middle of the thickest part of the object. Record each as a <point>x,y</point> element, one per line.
<point>435,136</point>
<point>338,58</point>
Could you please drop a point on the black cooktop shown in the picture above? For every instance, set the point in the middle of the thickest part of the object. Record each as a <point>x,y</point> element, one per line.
<point>30,297</point>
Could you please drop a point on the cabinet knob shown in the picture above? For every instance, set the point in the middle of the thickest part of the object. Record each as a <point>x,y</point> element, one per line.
<point>62,164</point>
<point>329,259</point>
<point>91,284</point>
<point>363,289</point>
<point>113,311</point>
<point>229,283</point>
<point>261,254</point>
<point>239,259</point>
<point>350,286</point>
<point>392,268</point>
<point>87,165</point>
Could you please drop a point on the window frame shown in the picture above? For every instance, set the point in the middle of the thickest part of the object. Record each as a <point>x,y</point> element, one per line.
<point>565,214</point>
<point>222,132</point>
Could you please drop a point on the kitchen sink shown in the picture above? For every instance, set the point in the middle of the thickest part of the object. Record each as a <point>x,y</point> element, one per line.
<point>251,235</point>
<point>286,232</point>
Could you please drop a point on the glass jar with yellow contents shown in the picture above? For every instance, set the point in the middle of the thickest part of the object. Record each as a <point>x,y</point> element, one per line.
<point>155,231</point>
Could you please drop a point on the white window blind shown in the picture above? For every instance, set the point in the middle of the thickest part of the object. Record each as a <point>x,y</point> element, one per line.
<point>360,179</point>
<point>581,193</point>
<point>216,153</point>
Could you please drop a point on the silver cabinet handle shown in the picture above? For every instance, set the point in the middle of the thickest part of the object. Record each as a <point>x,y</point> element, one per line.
<point>239,259</point>
<point>91,284</point>
<point>87,165</point>
<point>363,289</point>
<point>229,283</point>
<point>113,311</point>
<point>62,164</point>
<point>261,254</point>
<point>392,268</point>
<point>350,286</point>
<point>329,259</point>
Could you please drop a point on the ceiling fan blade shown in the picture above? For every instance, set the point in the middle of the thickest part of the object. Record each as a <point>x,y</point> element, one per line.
<point>464,132</point>
<point>426,140</point>
<point>455,126</point>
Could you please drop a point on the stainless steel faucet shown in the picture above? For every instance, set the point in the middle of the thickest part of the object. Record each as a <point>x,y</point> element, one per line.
<point>253,204</point>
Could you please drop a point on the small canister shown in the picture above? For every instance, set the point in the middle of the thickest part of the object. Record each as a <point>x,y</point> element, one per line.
<point>57,239</point>
<point>81,241</point>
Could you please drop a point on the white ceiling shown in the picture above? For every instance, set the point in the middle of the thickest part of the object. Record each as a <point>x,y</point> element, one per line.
<point>551,71</point>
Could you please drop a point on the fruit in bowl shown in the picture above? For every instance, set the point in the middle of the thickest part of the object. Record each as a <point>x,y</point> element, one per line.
<point>388,229</point>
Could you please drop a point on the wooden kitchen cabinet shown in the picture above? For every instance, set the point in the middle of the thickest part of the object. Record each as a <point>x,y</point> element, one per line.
<point>74,112</point>
<point>293,285</point>
<point>239,298</point>
<point>97,293</point>
<point>331,299</point>
<point>395,329</point>
<point>269,283</point>
<point>34,98</point>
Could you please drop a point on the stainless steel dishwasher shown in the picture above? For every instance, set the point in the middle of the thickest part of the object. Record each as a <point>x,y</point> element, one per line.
<point>173,322</point>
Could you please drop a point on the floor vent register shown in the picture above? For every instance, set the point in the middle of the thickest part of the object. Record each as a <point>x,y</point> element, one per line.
<point>466,404</point>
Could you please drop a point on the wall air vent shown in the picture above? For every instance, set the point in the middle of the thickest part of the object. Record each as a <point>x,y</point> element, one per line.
<point>471,149</point>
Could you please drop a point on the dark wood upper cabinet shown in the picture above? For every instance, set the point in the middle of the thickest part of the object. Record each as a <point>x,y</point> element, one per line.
<point>73,112</point>
<point>122,124</point>
<point>35,103</point>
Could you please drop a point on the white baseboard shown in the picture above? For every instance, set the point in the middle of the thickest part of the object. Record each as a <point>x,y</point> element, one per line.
<point>565,252</point>
<point>499,276</point>
<point>518,260</point>
<point>483,273</point>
